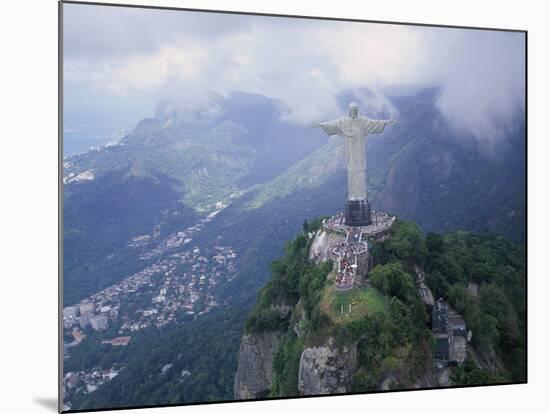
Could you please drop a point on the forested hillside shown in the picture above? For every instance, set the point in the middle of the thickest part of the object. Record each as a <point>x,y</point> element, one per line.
<point>483,277</point>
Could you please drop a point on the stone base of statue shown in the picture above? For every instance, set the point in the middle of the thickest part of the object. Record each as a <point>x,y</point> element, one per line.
<point>358,213</point>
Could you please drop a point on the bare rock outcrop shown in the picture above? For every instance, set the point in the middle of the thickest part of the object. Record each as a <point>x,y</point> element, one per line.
<point>255,365</point>
<point>327,369</point>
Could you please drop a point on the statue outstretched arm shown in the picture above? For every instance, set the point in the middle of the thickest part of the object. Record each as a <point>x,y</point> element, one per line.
<point>330,127</point>
<point>376,126</point>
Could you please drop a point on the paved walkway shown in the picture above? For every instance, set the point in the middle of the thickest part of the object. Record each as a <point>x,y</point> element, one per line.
<point>355,245</point>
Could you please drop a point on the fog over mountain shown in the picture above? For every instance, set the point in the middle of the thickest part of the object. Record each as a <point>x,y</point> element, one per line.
<point>154,54</point>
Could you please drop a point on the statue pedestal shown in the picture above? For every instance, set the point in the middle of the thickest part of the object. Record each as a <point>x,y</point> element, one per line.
<point>358,213</point>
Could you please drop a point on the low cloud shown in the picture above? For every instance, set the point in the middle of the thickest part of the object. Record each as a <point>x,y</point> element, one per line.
<point>483,83</point>
<point>304,63</point>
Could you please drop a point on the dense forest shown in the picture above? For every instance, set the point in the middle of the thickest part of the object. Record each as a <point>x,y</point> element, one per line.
<point>496,314</point>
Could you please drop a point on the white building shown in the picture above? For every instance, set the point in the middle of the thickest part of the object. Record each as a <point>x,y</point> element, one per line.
<point>70,312</point>
<point>87,307</point>
<point>98,322</point>
<point>84,319</point>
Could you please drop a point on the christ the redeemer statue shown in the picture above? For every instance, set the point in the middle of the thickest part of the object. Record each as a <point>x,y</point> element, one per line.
<point>354,129</point>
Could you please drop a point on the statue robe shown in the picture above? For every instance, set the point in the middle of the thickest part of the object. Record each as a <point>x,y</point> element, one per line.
<point>354,131</point>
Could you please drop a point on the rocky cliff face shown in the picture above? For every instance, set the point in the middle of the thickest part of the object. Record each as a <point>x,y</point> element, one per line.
<point>327,369</point>
<point>255,365</point>
<point>323,244</point>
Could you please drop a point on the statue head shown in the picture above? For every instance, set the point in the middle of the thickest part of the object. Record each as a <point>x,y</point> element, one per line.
<point>353,110</point>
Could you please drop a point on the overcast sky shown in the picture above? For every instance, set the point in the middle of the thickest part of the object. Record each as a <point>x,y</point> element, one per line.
<point>116,57</point>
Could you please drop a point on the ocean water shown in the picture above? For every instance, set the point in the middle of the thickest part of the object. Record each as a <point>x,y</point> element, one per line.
<point>78,142</point>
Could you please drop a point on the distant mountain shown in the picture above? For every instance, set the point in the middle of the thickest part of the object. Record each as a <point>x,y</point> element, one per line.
<point>212,148</point>
<point>185,162</point>
<point>207,153</point>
